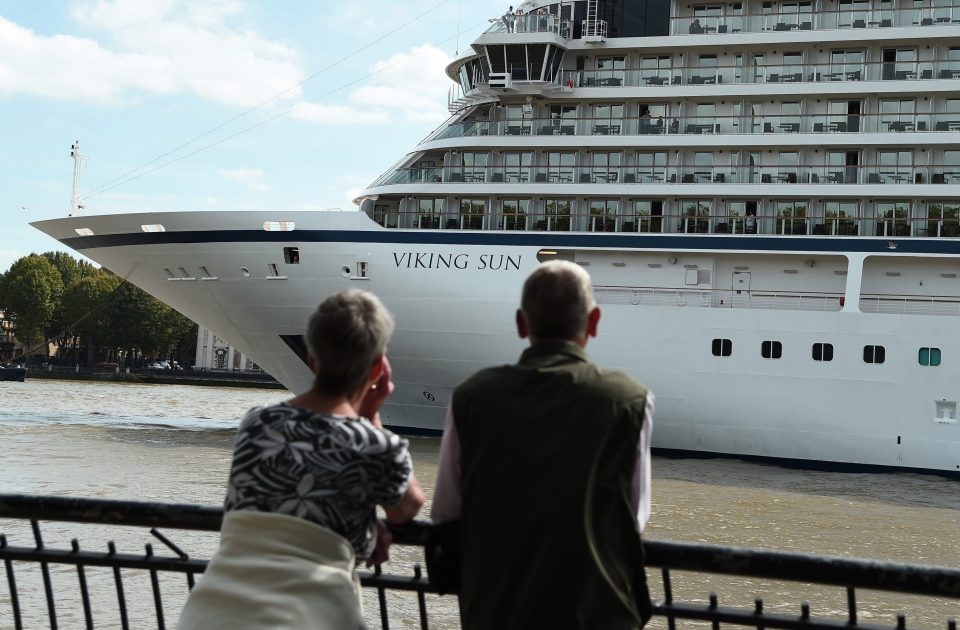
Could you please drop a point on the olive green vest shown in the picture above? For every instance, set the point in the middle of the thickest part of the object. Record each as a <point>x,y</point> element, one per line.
<point>549,537</point>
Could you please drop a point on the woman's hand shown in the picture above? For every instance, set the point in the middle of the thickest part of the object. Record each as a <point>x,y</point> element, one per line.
<point>374,398</point>
<point>381,553</point>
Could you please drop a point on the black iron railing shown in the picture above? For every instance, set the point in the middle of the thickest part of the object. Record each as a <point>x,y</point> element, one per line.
<point>846,573</point>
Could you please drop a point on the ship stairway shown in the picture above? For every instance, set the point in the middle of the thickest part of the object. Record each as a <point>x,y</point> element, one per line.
<point>594,29</point>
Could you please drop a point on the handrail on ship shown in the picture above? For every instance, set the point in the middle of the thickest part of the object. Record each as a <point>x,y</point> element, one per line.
<point>848,573</point>
<point>803,18</point>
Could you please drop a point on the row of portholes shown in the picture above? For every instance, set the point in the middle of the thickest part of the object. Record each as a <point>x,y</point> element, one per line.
<point>770,349</point>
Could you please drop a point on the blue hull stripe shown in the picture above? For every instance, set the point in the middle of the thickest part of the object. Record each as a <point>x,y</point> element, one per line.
<point>530,239</point>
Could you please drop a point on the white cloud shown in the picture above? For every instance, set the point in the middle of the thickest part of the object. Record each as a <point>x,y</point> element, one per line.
<point>8,257</point>
<point>410,87</point>
<point>251,177</point>
<point>337,114</point>
<point>151,46</point>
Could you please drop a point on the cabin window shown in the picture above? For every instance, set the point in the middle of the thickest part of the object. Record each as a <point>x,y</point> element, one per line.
<point>823,352</point>
<point>722,347</point>
<point>291,255</point>
<point>279,226</point>
<point>929,357</point>
<point>771,349</point>
<point>874,354</point>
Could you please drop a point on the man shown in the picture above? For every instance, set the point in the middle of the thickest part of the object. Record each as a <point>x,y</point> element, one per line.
<point>546,464</point>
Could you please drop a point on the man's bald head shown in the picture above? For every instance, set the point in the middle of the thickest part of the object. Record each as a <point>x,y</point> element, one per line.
<point>557,301</point>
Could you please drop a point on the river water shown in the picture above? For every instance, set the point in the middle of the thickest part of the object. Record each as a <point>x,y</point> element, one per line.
<point>172,443</point>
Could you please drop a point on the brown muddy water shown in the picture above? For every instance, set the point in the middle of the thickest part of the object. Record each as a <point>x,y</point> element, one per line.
<point>172,443</point>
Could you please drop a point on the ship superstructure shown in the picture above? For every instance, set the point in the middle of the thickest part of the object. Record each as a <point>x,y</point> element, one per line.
<point>766,195</point>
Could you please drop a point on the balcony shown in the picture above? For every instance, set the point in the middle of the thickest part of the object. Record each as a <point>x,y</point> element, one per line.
<point>532,23</point>
<point>810,20</point>
<point>828,72</point>
<point>831,124</point>
<point>839,175</point>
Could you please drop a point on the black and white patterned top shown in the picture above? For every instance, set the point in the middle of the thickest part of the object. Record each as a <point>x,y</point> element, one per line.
<point>330,470</point>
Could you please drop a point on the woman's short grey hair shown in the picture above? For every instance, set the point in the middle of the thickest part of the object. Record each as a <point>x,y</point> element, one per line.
<point>345,335</point>
<point>557,299</point>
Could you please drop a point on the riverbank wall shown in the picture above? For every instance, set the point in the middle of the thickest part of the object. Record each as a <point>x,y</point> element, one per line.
<point>157,377</point>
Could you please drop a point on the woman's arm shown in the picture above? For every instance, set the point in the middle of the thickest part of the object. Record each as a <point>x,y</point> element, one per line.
<point>409,504</point>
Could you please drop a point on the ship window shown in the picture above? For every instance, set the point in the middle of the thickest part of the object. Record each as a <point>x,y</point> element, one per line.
<point>823,352</point>
<point>84,231</point>
<point>722,347</point>
<point>170,274</point>
<point>771,349</point>
<point>874,354</point>
<point>291,255</point>
<point>274,270</point>
<point>279,226</point>
<point>929,356</point>
<point>362,269</point>
<point>153,228</point>
<point>471,215</point>
<point>245,272</point>
<point>514,214</point>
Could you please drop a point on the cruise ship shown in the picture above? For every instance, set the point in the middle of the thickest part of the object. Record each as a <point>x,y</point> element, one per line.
<point>766,194</point>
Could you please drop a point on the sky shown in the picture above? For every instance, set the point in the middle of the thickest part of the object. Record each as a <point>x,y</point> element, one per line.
<point>186,105</point>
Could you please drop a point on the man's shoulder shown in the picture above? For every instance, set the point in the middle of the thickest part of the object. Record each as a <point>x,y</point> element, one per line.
<point>614,383</point>
<point>486,377</point>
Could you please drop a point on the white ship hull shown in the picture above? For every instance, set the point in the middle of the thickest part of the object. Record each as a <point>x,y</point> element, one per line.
<point>454,294</point>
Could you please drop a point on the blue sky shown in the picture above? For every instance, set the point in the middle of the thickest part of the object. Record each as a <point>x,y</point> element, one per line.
<point>135,79</point>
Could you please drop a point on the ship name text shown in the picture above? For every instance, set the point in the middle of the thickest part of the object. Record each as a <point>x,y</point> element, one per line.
<point>437,260</point>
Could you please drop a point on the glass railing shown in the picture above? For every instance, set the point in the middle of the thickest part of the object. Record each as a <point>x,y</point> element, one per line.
<point>699,125</point>
<point>678,174</point>
<point>771,224</point>
<point>531,23</point>
<point>820,20</point>
<point>768,73</point>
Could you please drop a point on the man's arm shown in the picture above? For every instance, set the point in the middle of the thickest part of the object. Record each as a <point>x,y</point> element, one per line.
<point>640,482</point>
<point>447,501</point>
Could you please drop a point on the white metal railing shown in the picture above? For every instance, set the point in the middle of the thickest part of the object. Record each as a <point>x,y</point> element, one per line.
<point>910,305</point>
<point>719,298</point>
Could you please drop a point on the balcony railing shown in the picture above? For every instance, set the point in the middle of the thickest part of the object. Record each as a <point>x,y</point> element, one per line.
<point>706,125</point>
<point>70,597</point>
<point>532,23</point>
<point>827,72</point>
<point>680,221</point>
<point>678,174</point>
<point>822,19</point>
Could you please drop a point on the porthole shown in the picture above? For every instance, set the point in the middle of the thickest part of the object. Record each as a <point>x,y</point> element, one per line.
<point>929,357</point>
<point>771,349</point>
<point>822,352</point>
<point>83,231</point>
<point>722,347</point>
<point>345,271</point>
<point>245,272</point>
<point>874,354</point>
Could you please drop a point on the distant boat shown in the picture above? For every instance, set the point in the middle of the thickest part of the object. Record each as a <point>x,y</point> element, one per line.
<point>13,374</point>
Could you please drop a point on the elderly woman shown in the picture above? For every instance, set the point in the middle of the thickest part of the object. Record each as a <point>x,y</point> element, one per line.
<point>306,477</point>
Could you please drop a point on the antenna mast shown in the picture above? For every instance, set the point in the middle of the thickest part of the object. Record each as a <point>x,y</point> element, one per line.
<point>78,160</point>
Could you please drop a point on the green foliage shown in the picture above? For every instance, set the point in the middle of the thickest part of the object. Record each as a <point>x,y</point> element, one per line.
<point>58,295</point>
<point>30,292</point>
<point>137,320</point>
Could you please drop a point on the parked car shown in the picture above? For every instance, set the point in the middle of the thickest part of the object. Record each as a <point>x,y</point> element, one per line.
<point>106,364</point>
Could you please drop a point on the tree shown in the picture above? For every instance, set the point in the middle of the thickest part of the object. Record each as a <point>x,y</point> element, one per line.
<point>135,320</point>
<point>71,270</point>
<point>84,307</point>
<point>30,291</point>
